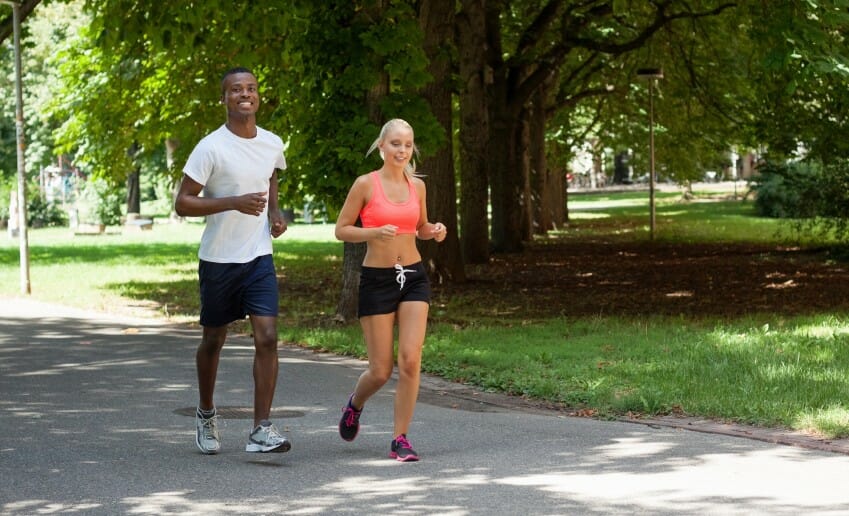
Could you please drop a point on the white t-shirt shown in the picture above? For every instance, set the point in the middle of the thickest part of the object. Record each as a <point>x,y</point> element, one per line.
<point>229,165</point>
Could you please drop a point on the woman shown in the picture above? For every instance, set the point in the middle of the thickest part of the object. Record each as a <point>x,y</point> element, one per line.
<point>391,204</point>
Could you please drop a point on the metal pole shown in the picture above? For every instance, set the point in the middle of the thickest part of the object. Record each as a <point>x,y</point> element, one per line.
<point>19,129</point>
<point>651,157</point>
<point>652,74</point>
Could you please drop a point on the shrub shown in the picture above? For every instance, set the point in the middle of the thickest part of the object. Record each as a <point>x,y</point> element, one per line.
<point>788,190</point>
<point>41,213</point>
<point>100,203</point>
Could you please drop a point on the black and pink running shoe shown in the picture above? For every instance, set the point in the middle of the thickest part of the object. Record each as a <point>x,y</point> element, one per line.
<point>349,425</point>
<point>402,451</point>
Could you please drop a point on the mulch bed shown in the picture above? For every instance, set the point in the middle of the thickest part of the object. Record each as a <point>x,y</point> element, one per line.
<point>644,279</point>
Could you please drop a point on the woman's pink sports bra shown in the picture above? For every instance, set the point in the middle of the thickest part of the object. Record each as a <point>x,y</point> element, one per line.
<point>380,211</point>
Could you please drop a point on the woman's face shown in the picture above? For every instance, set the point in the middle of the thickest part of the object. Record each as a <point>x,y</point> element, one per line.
<point>397,147</point>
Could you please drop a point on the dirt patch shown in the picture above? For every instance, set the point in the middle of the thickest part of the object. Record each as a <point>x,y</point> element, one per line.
<point>642,279</point>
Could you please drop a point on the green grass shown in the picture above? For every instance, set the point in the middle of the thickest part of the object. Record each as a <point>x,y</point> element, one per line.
<point>764,370</point>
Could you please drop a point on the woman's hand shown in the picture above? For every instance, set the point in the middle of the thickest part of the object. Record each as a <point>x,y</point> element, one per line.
<point>386,232</point>
<point>438,230</point>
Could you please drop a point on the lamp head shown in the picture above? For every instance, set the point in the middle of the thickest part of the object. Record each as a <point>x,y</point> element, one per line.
<point>650,73</point>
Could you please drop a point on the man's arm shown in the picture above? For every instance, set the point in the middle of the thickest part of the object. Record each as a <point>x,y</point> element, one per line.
<point>189,203</point>
<point>275,217</point>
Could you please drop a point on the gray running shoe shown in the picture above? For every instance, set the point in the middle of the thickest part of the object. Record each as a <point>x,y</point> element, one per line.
<point>206,436</point>
<point>265,438</point>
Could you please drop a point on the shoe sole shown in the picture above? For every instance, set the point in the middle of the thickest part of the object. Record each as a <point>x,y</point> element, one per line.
<point>201,448</point>
<point>258,448</point>
<point>408,458</point>
<point>204,450</point>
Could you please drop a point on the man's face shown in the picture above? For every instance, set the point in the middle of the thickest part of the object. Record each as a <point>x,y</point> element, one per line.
<point>241,95</point>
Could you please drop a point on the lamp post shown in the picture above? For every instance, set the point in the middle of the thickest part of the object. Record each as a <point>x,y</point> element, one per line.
<point>652,74</point>
<point>19,126</point>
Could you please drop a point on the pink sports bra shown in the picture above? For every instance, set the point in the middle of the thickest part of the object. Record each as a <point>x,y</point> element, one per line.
<point>380,211</point>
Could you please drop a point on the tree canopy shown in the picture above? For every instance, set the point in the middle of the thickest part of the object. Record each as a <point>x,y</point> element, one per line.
<point>533,78</point>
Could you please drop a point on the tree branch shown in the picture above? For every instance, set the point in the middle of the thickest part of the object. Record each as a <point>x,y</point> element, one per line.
<point>661,19</point>
<point>7,24</point>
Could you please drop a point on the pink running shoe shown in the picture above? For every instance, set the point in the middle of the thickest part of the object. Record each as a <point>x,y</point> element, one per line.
<point>402,451</point>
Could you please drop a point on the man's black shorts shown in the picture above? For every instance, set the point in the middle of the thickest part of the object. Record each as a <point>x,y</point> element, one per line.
<point>230,291</point>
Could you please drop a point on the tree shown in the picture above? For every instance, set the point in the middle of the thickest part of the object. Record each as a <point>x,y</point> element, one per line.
<point>436,19</point>
<point>800,96</point>
<point>45,30</point>
<point>577,42</point>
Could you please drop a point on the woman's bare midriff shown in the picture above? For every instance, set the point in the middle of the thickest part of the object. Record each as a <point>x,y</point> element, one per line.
<point>386,253</point>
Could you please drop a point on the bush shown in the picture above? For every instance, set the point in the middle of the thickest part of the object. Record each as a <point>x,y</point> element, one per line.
<point>788,190</point>
<point>100,203</point>
<point>41,213</point>
<point>816,196</point>
<point>832,208</point>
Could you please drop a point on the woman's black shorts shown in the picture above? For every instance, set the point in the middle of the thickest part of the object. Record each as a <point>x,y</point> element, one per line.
<point>383,289</point>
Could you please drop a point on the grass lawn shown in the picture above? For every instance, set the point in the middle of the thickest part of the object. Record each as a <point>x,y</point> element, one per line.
<point>759,368</point>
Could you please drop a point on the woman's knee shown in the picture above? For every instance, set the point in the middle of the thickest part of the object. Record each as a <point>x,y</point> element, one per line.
<point>380,373</point>
<point>409,367</point>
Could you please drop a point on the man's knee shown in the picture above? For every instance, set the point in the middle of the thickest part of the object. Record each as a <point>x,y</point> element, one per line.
<point>212,340</point>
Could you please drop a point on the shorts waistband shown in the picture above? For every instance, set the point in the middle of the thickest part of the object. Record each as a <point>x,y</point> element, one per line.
<point>418,266</point>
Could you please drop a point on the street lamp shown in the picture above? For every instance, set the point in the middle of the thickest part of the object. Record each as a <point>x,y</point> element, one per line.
<point>652,74</point>
<point>19,129</point>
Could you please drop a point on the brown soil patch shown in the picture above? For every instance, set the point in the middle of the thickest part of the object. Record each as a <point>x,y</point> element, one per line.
<point>642,279</point>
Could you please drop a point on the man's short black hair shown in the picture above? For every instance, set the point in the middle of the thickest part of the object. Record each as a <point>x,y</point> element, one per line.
<point>232,71</point>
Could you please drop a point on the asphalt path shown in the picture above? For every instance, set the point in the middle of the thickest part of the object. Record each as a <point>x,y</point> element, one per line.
<point>95,419</point>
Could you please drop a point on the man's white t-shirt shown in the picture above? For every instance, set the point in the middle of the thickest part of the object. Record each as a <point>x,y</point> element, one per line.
<point>229,165</point>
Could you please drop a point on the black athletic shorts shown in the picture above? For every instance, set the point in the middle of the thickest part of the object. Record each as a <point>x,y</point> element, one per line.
<point>230,291</point>
<point>383,289</point>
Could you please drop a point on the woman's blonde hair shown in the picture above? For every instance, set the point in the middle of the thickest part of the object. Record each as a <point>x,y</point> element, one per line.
<point>410,169</point>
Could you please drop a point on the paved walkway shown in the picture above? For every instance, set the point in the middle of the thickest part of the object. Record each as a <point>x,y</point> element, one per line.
<point>93,421</point>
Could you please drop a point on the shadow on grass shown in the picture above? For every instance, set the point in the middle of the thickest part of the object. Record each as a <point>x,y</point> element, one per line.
<point>139,254</point>
<point>167,297</point>
<point>152,253</point>
<point>306,290</point>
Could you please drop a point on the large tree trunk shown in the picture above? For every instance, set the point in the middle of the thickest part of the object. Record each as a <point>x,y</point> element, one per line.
<point>527,203</point>
<point>133,186</point>
<point>352,260</point>
<point>444,261</point>
<point>507,181</point>
<point>170,148</point>
<point>134,191</point>
<point>544,187</point>
<point>474,131</point>
<point>505,132</point>
<point>353,254</point>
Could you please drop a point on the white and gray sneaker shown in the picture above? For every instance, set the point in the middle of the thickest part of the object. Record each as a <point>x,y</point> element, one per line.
<point>206,436</point>
<point>265,438</point>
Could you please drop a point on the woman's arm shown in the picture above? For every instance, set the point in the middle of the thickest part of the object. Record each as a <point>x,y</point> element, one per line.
<point>346,229</point>
<point>427,230</point>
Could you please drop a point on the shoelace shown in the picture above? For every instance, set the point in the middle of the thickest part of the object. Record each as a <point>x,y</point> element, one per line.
<point>402,442</point>
<point>351,416</point>
<point>400,276</point>
<point>272,435</point>
<point>210,427</point>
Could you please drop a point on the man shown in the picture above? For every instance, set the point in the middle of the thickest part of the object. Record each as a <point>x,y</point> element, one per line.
<point>236,167</point>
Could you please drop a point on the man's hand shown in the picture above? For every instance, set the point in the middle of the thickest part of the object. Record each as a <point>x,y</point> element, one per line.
<point>277,222</point>
<point>252,203</point>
